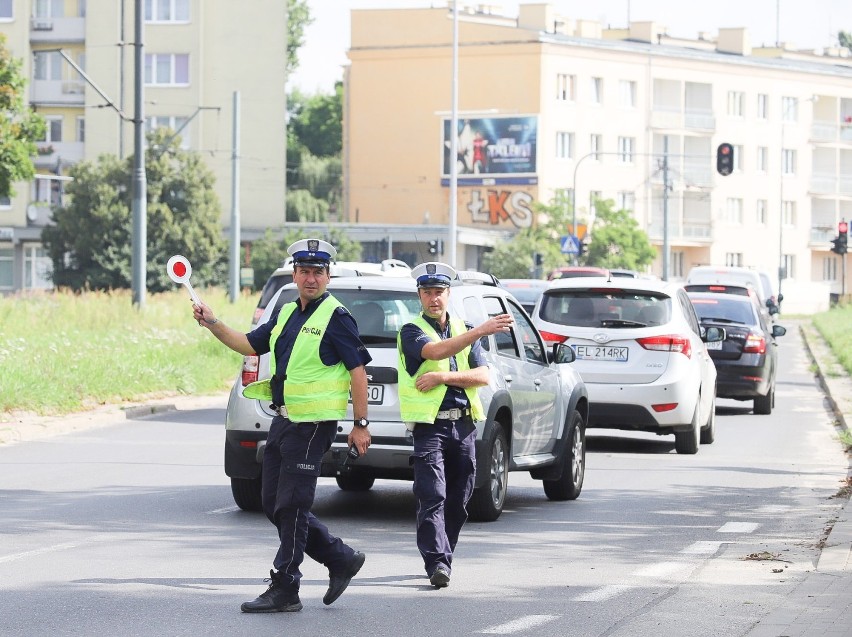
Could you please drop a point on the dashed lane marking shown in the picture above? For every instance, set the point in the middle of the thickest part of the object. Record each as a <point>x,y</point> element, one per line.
<point>520,624</point>
<point>737,527</point>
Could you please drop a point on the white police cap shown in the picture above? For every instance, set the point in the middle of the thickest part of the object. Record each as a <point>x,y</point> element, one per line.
<point>433,275</point>
<point>314,252</point>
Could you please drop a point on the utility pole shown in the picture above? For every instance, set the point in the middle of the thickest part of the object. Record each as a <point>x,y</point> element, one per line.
<point>454,140</point>
<point>235,203</point>
<point>665,208</point>
<point>139,256</point>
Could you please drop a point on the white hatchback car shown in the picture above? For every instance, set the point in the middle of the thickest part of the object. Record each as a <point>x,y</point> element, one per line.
<point>641,352</point>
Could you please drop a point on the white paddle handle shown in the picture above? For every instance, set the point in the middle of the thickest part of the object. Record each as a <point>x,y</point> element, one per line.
<point>192,293</point>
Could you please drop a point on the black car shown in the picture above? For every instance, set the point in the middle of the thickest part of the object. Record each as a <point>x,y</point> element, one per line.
<point>747,360</point>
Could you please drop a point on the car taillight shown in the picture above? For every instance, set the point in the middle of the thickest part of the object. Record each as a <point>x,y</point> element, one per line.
<point>250,366</point>
<point>550,337</point>
<point>755,344</point>
<point>668,343</point>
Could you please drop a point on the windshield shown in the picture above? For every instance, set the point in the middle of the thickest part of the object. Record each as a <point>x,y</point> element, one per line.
<point>379,313</point>
<point>610,308</point>
<point>724,308</point>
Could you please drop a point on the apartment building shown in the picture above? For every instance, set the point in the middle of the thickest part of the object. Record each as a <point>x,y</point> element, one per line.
<point>197,55</point>
<point>556,109</point>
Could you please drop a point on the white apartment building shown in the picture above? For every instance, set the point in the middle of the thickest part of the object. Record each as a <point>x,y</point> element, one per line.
<point>600,111</point>
<point>198,53</point>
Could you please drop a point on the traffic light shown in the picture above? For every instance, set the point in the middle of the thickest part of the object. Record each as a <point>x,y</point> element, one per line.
<point>725,159</point>
<point>433,246</point>
<point>840,243</point>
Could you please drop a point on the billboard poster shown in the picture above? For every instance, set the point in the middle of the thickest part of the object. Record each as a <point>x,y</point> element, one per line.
<point>496,149</point>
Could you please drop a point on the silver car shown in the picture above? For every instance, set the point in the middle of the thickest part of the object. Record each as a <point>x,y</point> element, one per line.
<point>536,404</point>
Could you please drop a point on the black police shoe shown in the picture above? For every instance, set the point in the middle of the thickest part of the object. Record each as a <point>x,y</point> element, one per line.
<point>440,578</point>
<point>337,582</point>
<point>275,600</point>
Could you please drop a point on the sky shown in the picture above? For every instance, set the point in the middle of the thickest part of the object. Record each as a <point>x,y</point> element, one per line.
<point>803,23</point>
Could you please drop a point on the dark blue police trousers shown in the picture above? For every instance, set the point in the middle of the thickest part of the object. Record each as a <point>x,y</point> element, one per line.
<point>291,465</point>
<point>444,461</point>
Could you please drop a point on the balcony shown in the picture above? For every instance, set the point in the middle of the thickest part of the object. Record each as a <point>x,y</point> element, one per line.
<point>667,119</point>
<point>51,153</point>
<point>700,120</point>
<point>823,183</point>
<point>821,237</point>
<point>56,30</point>
<point>686,232</point>
<point>58,92</point>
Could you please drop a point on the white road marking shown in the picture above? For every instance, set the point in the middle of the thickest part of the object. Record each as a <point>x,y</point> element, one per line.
<point>41,551</point>
<point>523,623</point>
<point>223,510</point>
<point>737,527</point>
<point>603,593</point>
<point>665,570</point>
<point>702,548</point>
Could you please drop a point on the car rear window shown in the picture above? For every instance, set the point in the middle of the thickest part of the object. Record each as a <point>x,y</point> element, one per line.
<point>611,308</point>
<point>726,309</point>
<point>379,313</point>
<point>273,284</point>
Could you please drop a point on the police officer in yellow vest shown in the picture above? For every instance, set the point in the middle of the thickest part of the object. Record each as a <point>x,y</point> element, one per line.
<point>317,355</point>
<point>440,367</point>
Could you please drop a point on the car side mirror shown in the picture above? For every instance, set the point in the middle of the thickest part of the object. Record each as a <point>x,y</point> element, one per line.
<point>563,353</point>
<point>778,330</point>
<point>714,334</point>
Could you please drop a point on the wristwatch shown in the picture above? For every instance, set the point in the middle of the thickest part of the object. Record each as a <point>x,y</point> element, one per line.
<point>361,422</point>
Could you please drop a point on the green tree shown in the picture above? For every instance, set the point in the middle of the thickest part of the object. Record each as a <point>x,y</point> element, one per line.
<point>19,125</point>
<point>298,17</point>
<point>90,242</point>
<point>845,39</point>
<point>617,241</point>
<point>317,121</point>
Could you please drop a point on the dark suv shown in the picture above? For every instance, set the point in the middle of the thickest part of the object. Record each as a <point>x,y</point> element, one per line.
<point>536,405</point>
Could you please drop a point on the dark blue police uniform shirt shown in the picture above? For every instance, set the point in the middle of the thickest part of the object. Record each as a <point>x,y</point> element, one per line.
<point>413,339</point>
<point>340,342</point>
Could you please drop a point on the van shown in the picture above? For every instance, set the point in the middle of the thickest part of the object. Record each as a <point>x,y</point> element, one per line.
<point>734,275</point>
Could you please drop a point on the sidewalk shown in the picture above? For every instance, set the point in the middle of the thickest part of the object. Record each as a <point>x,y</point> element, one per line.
<point>821,606</point>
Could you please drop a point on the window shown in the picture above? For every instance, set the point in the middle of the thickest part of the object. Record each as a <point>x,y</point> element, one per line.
<point>762,106</point>
<point>829,269</point>
<point>564,145</point>
<point>625,149</point>
<point>47,65</point>
<point>52,129</point>
<point>166,10</point>
<point>762,206</point>
<point>762,159</point>
<point>789,266</point>
<point>49,8</point>
<point>533,349</point>
<point>565,87</point>
<point>7,268</point>
<point>676,265</point>
<point>6,10</point>
<point>789,109</point>
<point>80,134</point>
<point>37,268</point>
<point>5,201</point>
<point>172,122</point>
<point>627,93</point>
<point>734,211</point>
<point>505,341</point>
<point>166,69</point>
<point>596,144</point>
<point>626,200</point>
<point>563,197</point>
<point>788,161</point>
<point>734,259</point>
<point>597,90</point>
<point>788,213</point>
<point>736,103</point>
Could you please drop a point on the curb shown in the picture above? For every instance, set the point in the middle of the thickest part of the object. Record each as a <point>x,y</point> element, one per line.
<point>25,427</point>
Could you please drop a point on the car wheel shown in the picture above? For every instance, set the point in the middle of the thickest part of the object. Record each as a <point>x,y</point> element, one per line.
<point>355,482</point>
<point>246,492</point>
<point>570,483</point>
<point>486,503</point>
<point>687,441</point>
<point>763,404</point>
<point>708,432</point>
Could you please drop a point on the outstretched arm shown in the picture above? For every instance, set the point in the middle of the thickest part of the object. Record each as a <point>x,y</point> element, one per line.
<point>439,350</point>
<point>230,337</point>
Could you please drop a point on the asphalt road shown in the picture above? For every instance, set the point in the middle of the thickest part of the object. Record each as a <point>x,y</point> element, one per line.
<point>130,529</point>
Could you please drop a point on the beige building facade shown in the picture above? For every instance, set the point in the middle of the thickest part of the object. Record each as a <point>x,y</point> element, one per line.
<point>566,110</point>
<point>198,54</point>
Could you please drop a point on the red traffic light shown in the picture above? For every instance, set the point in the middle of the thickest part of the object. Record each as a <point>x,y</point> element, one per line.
<point>725,159</point>
<point>842,227</point>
